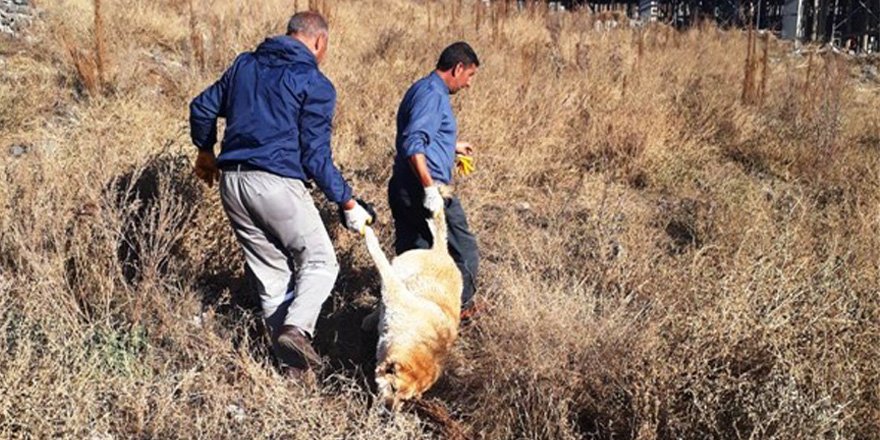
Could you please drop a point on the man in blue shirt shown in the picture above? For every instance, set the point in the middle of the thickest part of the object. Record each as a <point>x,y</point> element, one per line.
<point>278,108</point>
<point>426,146</point>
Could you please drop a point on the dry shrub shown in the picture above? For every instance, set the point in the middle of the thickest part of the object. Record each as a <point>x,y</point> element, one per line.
<point>86,68</point>
<point>660,260</point>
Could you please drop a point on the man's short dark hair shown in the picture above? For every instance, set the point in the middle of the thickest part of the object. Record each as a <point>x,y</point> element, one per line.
<point>307,23</point>
<point>455,53</point>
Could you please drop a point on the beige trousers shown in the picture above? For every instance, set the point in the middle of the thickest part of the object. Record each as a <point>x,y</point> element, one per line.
<point>285,244</point>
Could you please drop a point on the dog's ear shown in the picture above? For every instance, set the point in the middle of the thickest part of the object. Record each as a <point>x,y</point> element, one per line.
<point>386,382</point>
<point>415,374</point>
<point>389,369</point>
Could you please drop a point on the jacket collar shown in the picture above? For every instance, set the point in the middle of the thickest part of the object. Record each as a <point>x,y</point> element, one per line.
<point>283,49</point>
<point>438,82</point>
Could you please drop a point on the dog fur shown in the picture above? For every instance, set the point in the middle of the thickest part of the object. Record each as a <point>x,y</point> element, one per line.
<point>418,316</point>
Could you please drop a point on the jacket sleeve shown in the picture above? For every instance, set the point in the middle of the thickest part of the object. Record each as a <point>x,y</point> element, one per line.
<point>315,128</point>
<point>424,123</point>
<point>206,108</point>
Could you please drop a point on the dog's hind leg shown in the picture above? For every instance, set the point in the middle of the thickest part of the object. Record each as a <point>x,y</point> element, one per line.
<point>392,287</point>
<point>437,226</point>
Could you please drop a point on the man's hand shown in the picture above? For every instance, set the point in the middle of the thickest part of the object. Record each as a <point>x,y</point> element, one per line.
<point>464,148</point>
<point>206,168</point>
<point>433,200</point>
<point>356,217</point>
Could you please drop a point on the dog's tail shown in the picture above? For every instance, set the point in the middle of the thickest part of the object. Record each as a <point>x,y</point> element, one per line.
<point>437,225</point>
<point>393,286</point>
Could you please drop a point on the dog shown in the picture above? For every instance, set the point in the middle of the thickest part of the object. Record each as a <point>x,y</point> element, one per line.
<point>418,315</point>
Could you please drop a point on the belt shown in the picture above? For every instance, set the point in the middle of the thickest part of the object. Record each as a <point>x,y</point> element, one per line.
<point>240,167</point>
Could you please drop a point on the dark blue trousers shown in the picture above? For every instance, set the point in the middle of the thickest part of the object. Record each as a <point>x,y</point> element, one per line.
<point>411,230</point>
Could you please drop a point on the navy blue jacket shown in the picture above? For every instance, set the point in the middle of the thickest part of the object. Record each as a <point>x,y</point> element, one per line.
<point>278,108</point>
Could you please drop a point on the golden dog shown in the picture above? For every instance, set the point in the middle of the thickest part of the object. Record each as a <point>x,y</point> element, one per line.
<point>418,315</point>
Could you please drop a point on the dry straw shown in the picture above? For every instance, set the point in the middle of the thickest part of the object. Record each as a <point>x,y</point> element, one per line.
<point>197,45</point>
<point>661,259</point>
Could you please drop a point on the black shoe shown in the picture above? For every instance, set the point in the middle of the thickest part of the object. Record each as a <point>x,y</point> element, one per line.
<point>295,349</point>
<point>370,323</point>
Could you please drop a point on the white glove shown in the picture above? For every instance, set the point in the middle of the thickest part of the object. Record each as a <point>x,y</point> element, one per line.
<point>357,218</point>
<point>433,200</point>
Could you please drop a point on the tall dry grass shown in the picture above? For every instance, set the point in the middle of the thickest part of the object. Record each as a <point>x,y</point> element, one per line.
<point>661,259</point>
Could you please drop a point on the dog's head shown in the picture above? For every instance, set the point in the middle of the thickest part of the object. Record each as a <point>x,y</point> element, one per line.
<point>401,381</point>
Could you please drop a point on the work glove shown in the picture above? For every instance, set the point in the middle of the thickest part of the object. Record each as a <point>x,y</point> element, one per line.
<point>206,168</point>
<point>464,164</point>
<point>359,216</point>
<point>433,200</point>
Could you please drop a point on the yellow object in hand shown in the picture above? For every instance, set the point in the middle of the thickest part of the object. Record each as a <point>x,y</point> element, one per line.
<point>464,164</point>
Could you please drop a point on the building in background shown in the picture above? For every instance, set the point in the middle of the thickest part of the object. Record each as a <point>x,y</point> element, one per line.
<point>852,25</point>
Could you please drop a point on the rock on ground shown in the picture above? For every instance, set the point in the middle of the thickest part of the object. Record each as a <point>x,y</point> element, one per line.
<point>14,16</point>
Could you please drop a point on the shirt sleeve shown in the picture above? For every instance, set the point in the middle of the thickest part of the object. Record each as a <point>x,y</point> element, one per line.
<point>424,123</point>
<point>206,108</point>
<point>315,126</point>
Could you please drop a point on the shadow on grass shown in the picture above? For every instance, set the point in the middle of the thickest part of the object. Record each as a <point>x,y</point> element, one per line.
<point>160,200</point>
<point>157,202</point>
<point>348,351</point>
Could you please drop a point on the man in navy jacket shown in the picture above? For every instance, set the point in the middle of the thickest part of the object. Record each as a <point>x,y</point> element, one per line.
<point>278,108</point>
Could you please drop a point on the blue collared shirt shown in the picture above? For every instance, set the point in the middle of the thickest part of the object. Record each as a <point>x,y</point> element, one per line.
<point>426,125</point>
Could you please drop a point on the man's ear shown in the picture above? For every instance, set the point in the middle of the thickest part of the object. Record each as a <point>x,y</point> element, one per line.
<point>458,69</point>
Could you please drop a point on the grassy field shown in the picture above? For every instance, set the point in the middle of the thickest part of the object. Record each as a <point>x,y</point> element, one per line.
<point>677,242</point>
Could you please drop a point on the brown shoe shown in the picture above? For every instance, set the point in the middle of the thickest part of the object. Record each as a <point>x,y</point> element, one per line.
<point>472,310</point>
<point>295,349</point>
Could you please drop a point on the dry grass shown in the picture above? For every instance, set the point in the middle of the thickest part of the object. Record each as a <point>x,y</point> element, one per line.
<point>662,261</point>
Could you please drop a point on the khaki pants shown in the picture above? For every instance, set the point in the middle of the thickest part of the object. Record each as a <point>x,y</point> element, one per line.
<point>285,244</point>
